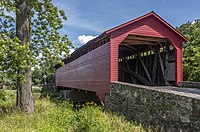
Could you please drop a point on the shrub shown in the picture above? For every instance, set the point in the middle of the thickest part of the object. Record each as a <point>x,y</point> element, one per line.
<point>5,96</point>
<point>2,95</point>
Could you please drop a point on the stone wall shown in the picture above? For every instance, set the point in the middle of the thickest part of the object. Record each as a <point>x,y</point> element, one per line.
<point>161,107</point>
<point>189,84</point>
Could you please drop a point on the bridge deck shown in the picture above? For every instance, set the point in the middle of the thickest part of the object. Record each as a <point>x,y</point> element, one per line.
<point>182,91</point>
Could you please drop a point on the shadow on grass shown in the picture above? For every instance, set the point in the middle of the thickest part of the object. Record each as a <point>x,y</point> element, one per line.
<point>7,102</point>
<point>7,110</point>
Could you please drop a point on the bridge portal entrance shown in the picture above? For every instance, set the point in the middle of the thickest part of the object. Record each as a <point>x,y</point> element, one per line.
<point>146,60</point>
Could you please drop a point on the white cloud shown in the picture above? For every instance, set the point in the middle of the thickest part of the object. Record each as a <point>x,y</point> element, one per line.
<point>71,51</point>
<point>83,39</point>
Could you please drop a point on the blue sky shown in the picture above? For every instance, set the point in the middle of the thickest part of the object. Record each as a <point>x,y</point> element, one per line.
<point>88,18</point>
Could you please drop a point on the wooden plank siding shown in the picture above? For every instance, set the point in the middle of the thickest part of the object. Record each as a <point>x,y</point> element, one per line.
<point>89,72</point>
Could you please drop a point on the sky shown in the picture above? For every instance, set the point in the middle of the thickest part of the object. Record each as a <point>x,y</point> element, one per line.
<point>89,18</point>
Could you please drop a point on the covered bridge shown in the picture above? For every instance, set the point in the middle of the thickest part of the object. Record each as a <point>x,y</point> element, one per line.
<point>146,50</point>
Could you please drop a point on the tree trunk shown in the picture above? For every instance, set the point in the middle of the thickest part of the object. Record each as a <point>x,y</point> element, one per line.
<point>24,88</point>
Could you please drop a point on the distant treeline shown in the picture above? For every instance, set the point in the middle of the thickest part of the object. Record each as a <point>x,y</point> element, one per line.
<point>191,51</point>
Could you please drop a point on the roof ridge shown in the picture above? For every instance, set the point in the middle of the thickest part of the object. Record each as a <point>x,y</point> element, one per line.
<point>145,16</point>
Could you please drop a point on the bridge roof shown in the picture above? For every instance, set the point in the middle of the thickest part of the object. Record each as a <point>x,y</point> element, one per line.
<point>94,43</point>
<point>143,17</point>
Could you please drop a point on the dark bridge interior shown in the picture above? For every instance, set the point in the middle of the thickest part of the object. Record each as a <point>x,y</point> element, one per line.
<point>146,60</point>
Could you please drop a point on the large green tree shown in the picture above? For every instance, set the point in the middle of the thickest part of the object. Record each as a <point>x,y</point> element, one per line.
<point>191,51</point>
<point>29,35</point>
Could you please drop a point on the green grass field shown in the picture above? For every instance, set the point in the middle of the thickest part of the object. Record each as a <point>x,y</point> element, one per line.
<point>53,115</point>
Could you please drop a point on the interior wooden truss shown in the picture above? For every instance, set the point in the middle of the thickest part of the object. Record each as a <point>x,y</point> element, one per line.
<point>144,60</point>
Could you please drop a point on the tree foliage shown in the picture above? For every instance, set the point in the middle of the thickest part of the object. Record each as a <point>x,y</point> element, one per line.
<point>191,51</point>
<point>37,76</point>
<point>46,48</point>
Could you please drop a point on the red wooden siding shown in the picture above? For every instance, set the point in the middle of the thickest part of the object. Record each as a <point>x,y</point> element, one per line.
<point>89,72</point>
<point>149,26</point>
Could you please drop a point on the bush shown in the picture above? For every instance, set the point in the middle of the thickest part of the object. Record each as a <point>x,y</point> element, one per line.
<point>5,96</point>
<point>191,73</point>
<point>94,119</point>
<point>2,95</point>
<point>52,94</point>
<point>37,90</point>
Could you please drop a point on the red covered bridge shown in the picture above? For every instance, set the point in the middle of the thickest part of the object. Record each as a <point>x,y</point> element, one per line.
<point>146,50</point>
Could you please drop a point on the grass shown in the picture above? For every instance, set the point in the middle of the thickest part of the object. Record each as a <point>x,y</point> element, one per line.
<point>58,115</point>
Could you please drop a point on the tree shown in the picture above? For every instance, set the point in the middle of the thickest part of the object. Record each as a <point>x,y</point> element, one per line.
<point>29,29</point>
<point>191,51</point>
